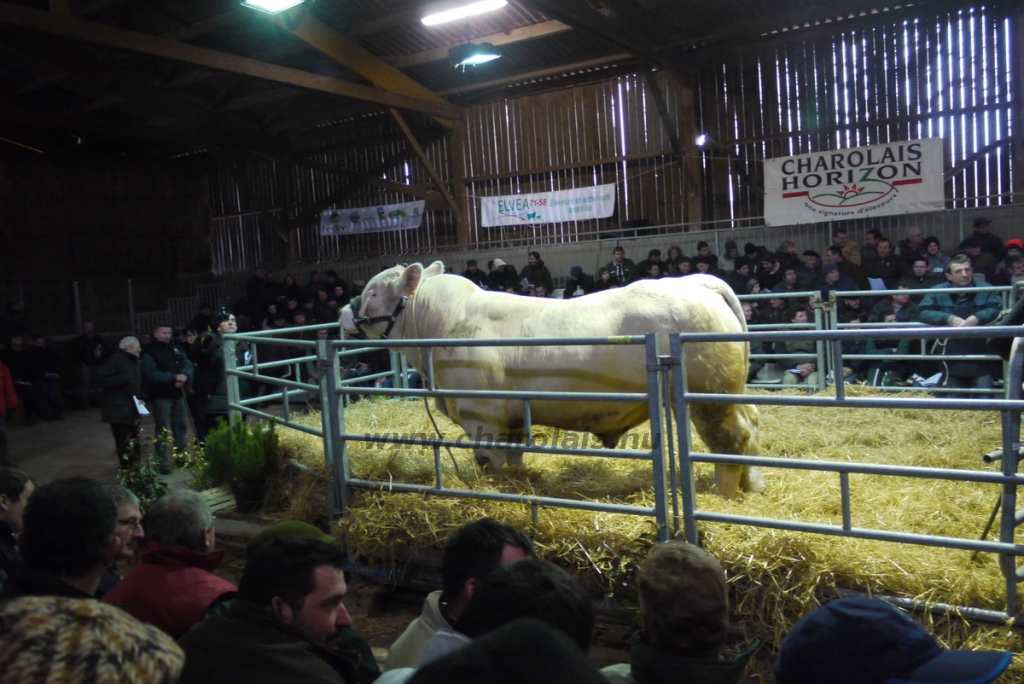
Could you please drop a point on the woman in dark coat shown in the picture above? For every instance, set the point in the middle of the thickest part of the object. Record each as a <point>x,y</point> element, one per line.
<point>211,375</point>
<point>121,380</point>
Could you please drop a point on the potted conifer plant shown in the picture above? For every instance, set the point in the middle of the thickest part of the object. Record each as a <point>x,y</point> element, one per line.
<point>242,455</point>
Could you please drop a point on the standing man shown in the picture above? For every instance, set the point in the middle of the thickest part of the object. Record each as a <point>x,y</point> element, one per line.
<point>121,379</point>
<point>165,370</point>
<point>90,350</point>
<point>967,309</point>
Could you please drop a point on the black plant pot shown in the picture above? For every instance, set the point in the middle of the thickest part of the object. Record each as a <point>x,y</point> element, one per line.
<point>249,495</point>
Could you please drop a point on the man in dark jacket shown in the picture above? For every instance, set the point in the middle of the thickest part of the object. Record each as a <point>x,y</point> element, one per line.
<point>990,243</point>
<point>165,371</point>
<point>504,277</point>
<point>962,310</point>
<point>621,268</point>
<point>283,626</point>
<point>474,273</point>
<point>121,380</point>
<point>69,539</point>
<point>579,283</point>
<point>536,273</point>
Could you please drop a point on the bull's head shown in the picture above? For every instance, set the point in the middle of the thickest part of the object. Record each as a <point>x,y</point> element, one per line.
<point>375,312</point>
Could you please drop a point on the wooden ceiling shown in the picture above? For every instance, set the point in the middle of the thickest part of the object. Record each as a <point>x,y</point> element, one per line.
<point>157,79</point>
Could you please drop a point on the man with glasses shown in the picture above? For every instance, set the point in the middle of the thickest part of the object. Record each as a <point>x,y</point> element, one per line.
<point>129,529</point>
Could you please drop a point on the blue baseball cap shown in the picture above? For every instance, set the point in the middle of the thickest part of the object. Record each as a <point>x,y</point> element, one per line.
<point>868,641</point>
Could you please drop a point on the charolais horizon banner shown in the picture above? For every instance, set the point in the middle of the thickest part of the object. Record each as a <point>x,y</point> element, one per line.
<point>597,201</point>
<point>372,219</point>
<point>858,182</point>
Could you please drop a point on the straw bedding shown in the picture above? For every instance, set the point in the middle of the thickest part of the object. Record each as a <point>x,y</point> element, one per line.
<point>776,576</point>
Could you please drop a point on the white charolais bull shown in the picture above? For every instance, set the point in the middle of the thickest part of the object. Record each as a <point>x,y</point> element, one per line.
<point>451,307</point>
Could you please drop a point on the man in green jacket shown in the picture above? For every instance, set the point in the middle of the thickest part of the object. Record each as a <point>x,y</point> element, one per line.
<point>962,310</point>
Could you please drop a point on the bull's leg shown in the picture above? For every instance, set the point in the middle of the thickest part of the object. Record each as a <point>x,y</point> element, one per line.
<point>730,429</point>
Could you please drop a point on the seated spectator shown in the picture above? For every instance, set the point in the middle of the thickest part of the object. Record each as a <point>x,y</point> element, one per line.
<point>936,257</point>
<point>309,291</point>
<point>1012,265</point>
<point>643,269</point>
<point>756,346</point>
<point>770,272</point>
<point>282,626</point>
<point>292,290</point>
<point>54,639</point>
<point>789,282</point>
<point>919,277</point>
<point>901,306</point>
<point>983,263</point>
<point>810,273</point>
<point>787,247</point>
<point>802,369</point>
<point>685,266</point>
<point>497,658</point>
<point>851,251</point>
<point>773,314</point>
<point>526,589</point>
<point>912,246</point>
<point>739,278</point>
<point>201,321</point>
<point>834,255</point>
<point>675,256</point>
<point>358,285</point>
<point>15,489</point>
<point>833,280</point>
<point>621,268</point>
<point>968,309</point>
<point>174,585</point>
<point>69,538</point>
<point>470,553</point>
<point>536,273</point>
<point>684,616</point>
<point>503,277</point>
<point>888,373</point>
<point>869,252</point>
<point>704,252</point>
<point>129,529</point>
<point>604,281</point>
<point>850,308</point>
<point>654,272</point>
<point>474,274</point>
<point>861,641</point>
<point>579,283</point>
<point>727,264</point>
<point>540,290</point>
<point>885,266</point>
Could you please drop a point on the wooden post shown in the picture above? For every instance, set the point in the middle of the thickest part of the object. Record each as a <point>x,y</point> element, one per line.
<point>457,149</point>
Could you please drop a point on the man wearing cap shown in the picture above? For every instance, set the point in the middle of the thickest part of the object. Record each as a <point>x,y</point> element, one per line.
<point>810,273</point>
<point>1004,270</point>
<point>868,641</point>
<point>474,274</point>
<point>579,283</point>
<point>503,277</point>
<point>684,617</point>
<point>833,280</point>
<point>990,243</point>
<point>283,625</point>
<point>937,259</point>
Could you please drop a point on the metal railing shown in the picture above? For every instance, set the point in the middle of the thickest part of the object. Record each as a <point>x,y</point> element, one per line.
<point>675,508</point>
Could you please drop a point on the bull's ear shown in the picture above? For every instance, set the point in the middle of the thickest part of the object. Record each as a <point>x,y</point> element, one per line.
<point>410,279</point>
<point>436,268</point>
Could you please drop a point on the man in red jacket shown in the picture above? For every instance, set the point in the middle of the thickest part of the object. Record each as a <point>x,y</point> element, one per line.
<point>174,586</point>
<point>8,402</point>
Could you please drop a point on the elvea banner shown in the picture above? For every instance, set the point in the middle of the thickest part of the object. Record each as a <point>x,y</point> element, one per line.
<point>880,180</point>
<point>597,201</point>
<point>372,219</point>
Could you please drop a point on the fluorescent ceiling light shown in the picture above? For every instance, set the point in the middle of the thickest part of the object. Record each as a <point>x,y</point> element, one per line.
<point>463,11</point>
<point>472,54</point>
<point>271,6</point>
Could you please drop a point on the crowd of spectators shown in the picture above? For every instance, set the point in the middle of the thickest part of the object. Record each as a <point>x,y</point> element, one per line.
<point>502,615</point>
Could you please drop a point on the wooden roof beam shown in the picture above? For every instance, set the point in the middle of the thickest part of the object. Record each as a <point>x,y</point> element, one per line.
<point>332,44</point>
<point>547,28</point>
<point>108,36</point>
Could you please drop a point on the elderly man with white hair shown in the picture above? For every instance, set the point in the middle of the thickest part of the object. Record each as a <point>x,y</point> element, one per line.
<point>121,379</point>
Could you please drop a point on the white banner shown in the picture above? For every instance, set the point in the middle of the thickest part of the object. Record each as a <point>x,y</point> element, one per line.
<point>880,180</point>
<point>371,219</point>
<point>597,201</point>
